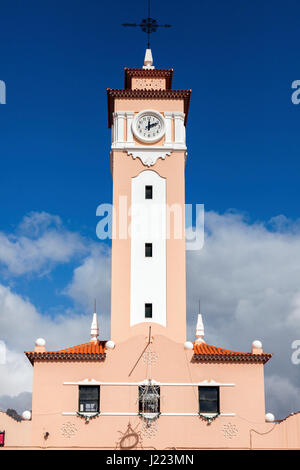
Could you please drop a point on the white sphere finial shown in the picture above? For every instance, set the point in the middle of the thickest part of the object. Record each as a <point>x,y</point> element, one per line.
<point>270,417</point>
<point>188,345</point>
<point>26,415</point>
<point>257,344</point>
<point>40,342</point>
<point>110,344</point>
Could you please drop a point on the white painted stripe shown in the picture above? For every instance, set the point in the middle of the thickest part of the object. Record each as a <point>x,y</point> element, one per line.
<point>167,384</point>
<point>148,225</point>
<point>128,413</point>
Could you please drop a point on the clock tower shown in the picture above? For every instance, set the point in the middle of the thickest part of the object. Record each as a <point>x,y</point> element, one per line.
<point>148,154</point>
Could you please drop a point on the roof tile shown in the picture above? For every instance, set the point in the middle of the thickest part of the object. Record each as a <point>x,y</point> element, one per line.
<point>207,353</point>
<point>85,351</point>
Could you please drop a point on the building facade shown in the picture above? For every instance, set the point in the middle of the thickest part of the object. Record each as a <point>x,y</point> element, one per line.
<point>147,387</point>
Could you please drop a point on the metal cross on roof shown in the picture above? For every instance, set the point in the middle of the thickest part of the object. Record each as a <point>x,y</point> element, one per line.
<point>148,25</point>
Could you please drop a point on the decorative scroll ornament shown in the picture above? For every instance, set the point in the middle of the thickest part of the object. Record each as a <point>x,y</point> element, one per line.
<point>149,157</point>
<point>209,419</point>
<point>87,417</point>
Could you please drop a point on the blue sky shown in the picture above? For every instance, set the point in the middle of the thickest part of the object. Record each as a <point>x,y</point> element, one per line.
<point>57,59</point>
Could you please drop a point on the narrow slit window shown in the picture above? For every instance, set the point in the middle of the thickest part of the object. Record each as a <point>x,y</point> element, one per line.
<point>148,192</point>
<point>209,400</point>
<point>89,398</point>
<point>148,250</point>
<point>148,310</point>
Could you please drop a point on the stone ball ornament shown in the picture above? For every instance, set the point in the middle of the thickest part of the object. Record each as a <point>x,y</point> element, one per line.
<point>26,415</point>
<point>188,345</point>
<point>270,418</point>
<point>40,342</point>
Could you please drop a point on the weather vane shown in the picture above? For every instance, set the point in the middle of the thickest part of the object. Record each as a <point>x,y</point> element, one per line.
<point>148,25</point>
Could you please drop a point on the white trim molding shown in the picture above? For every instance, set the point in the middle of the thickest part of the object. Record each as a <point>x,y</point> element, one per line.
<point>149,155</point>
<point>204,383</point>
<point>128,413</point>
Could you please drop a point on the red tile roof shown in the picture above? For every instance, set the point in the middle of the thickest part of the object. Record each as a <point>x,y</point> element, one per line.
<point>206,353</point>
<point>112,94</point>
<point>91,351</point>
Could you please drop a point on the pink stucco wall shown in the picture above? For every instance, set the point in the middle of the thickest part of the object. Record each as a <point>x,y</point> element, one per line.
<point>246,429</point>
<point>124,169</point>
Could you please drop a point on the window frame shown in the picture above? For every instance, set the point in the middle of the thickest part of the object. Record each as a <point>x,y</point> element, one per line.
<point>148,187</point>
<point>149,246</point>
<point>83,402</point>
<point>140,389</point>
<point>215,412</point>
<point>148,304</point>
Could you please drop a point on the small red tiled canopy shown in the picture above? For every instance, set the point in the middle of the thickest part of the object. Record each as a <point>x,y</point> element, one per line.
<point>91,351</point>
<point>206,353</point>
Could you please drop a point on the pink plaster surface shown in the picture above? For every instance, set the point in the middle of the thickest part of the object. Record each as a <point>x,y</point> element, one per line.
<point>126,364</point>
<point>124,169</point>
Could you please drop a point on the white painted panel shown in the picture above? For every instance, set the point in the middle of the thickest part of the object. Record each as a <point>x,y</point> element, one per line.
<point>148,225</point>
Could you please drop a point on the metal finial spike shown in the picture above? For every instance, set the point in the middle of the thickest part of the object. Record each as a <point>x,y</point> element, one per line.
<point>95,306</point>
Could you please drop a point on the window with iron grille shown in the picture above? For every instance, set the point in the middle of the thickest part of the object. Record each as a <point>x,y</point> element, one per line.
<point>209,400</point>
<point>89,398</point>
<point>149,399</point>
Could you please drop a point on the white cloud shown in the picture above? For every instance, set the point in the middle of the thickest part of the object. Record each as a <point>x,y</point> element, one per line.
<point>91,280</point>
<point>21,324</point>
<point>39,243</point>
<point>247,277</point>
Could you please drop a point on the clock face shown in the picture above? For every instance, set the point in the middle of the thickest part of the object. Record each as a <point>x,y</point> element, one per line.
<point>148,126</point>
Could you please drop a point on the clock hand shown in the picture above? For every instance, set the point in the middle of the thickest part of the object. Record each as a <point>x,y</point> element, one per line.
<point>154,124</point>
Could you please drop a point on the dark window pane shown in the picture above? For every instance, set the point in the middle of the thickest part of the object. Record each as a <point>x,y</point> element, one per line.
<point>148,250</point>
<point>148,192</point>
<point>208,399</point>
<point>148,310</point>
<point>89,398</point>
